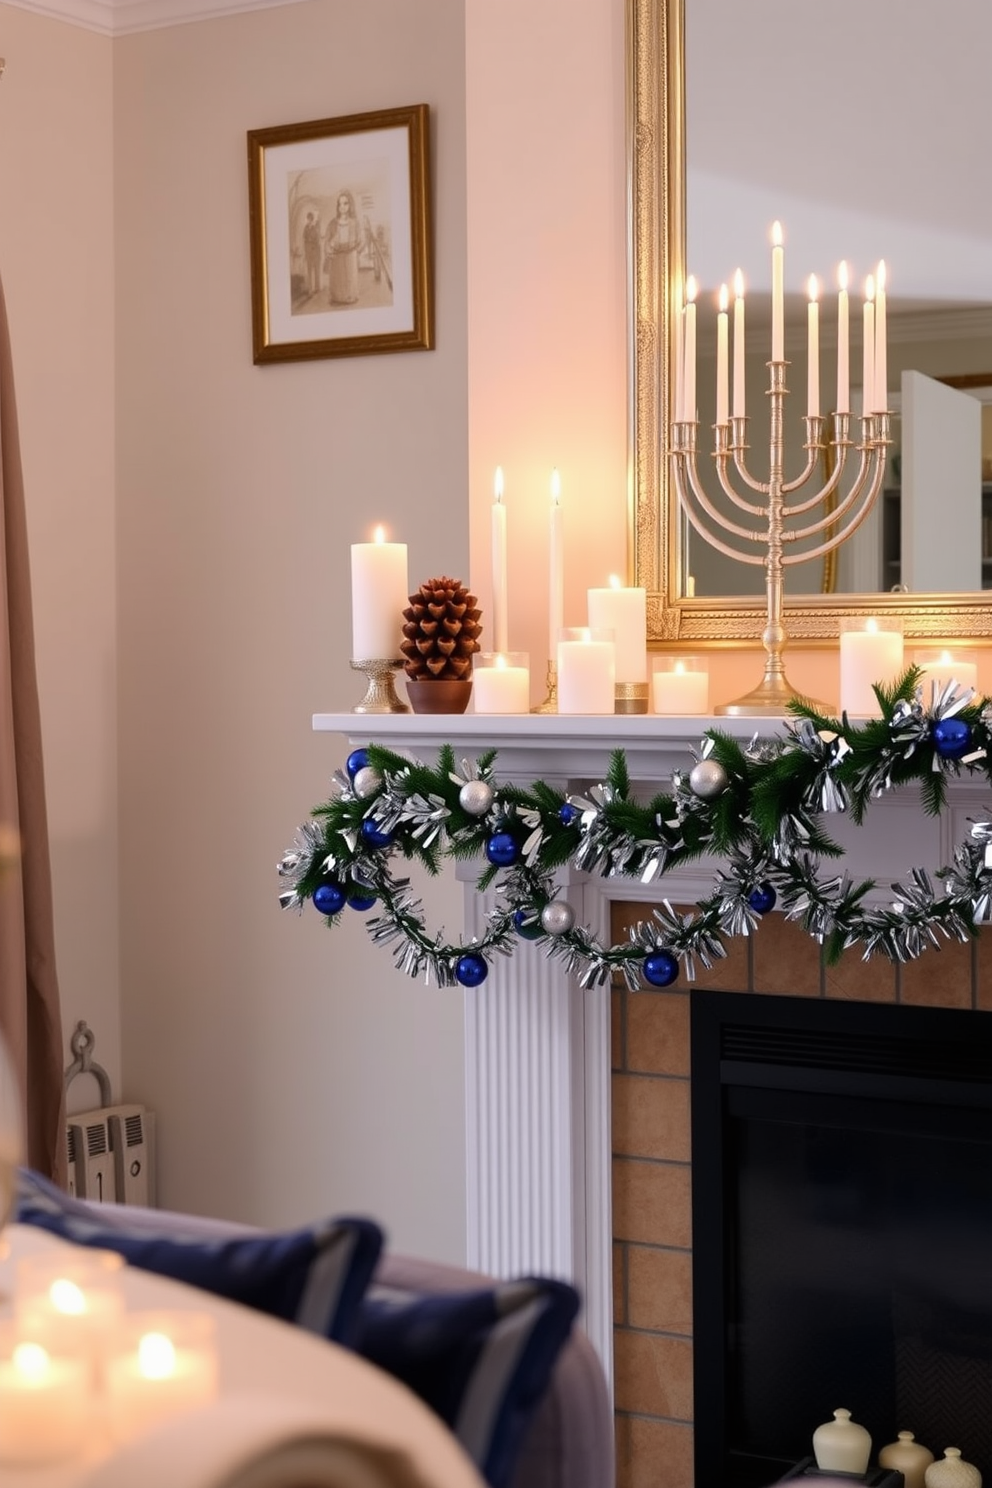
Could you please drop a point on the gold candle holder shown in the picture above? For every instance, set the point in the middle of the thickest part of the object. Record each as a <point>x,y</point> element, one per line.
<point>380,696</point>
<point>630,697</point>
<point>550,703</point>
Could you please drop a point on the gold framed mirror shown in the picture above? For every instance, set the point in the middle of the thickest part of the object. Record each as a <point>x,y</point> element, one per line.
<point>656,82</point>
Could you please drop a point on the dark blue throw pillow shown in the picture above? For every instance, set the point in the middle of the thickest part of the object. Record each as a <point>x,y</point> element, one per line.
<point>480,1359</point>
<point>315,1276</point>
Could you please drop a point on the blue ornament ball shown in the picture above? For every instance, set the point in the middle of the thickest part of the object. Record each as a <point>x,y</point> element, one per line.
<point>472,969</point>
<point>357,760</point>
<point>568,813</point>
<point>329,898</point>
<point>660,968</point>
<point>373,835</point>
<point>360,896</point>
<point>951,738</point>
<point>527,923</point>
<point>762,899</point>
<point>501,850</point>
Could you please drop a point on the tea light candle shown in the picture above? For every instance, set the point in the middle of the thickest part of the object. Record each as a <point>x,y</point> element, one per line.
<point>44,1404</point>
<point>942,667</point>
<point>624,611</point>
<point>586,672</point>
<point>378,598</point>
<point>168,1366</point>
<point>502,682</point>
<point>868,655</point>
<point>680,686</point>
<point>70,1295</point>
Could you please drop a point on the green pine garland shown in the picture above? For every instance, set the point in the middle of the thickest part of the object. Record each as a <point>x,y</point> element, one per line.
<point>758,806</point>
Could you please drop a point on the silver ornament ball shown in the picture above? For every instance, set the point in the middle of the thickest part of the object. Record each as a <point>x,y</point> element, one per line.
<point>557,918</point>
<point>708,779</point>
<point>366,782</point>
<point>475,797</point>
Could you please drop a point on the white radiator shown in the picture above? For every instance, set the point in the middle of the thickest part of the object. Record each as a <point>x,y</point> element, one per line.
<point>112,1155</point>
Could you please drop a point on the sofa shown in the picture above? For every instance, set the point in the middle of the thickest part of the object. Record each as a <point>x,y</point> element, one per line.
<point>563,1437</point>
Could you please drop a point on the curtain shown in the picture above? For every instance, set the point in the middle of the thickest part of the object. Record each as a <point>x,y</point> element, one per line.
<point>29,996</point>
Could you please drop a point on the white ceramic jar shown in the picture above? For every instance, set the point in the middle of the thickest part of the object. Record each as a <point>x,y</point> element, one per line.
<point>841,1445</point>
<point>909,1457</point>
<point>952,1472</point>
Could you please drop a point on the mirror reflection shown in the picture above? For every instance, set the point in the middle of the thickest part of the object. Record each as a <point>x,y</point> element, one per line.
<point>864,131</point>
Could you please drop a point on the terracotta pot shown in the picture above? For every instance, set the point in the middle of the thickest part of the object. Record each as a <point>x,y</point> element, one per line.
<point>449,696</point>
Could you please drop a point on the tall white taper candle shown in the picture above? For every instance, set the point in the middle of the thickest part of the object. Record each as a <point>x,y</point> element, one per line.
<point>739,379</point>
<point>556,594</point>
<point>843,344</point>
<point>778,294</point>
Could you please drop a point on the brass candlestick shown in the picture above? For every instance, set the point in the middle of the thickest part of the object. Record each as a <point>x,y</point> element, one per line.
<point>839,520</point>
<point>550,704</point>
<point>380,696</point>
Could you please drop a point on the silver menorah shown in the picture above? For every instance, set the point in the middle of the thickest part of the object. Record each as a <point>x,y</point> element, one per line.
<point>782,518</point>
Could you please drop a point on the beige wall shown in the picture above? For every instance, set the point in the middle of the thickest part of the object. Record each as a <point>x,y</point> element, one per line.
<point>57,265</point>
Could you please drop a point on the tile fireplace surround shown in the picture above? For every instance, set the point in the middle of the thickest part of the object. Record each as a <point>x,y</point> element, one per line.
<point>578,1148</point>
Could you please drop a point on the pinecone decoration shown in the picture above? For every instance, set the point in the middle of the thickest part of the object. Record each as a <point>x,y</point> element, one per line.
<point>440,630</point>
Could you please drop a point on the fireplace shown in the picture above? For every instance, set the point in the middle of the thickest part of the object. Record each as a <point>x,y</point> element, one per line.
<point>842,1220</point>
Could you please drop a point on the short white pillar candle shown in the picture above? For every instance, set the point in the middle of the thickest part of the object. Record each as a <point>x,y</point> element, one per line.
<point>161,1365</point>
<point>870,652</point>
<point>45,1400</point>
<point>942,667</point>
<point>586,671</point>
<point>624,611</point>
<point>680,685</point>
<point>501,682</point>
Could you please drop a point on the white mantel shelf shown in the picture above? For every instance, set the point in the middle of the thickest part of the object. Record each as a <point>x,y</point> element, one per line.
<point>537,1047</point>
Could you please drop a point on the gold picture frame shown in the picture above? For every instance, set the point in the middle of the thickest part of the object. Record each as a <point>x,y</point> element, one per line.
<point>656,185</point>
<point>340,230</point>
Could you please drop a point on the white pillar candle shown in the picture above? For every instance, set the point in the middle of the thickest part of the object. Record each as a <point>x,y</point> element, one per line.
<point>167,1366</point>
<point>868,358</point>
<point>813,350</point>
<point>689,356</point>
<point>556,583</point>
<point>943,667</point>
<point>379,595</point>
<point>843,344</point>
<point>881,355</point>
<point>501,683</point>
<point>739,378</point>
<point>500,620</point>
<point>778,294</point>
<point>722,368</point>
<point>624,611</point>
<point>586,672</point>
<point>867,655</point>
<point>45,1405</point>
<point>680,687</point>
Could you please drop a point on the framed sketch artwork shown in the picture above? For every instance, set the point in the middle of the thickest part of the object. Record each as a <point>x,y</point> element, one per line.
<point>341,248</point>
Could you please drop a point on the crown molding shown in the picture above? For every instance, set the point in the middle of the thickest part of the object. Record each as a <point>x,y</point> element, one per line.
<point>122,17</point>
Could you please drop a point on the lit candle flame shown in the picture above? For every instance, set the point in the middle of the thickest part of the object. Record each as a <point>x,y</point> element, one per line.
<point>738,285</point>
<point>842,274</point>
<point>680,668</point>
<point>814,288</point>
<point>870,288</point>
<point>31,1361</point>
<point>777,234</point>
<point>690,289</point>
<point>67,1297</point>
<point>379,535</point>
<point>880,274</point>
<point>156,1356</point>
<point>724,298</point>
<point>871,623</point>
<point>615,581</point>
<point>500,662</point>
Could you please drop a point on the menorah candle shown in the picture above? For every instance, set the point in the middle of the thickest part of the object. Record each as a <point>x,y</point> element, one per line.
<point>722,371</point>
<point>378,597</point>
<point>778,294</point>
<point>501,682</point>
<point>739,381</point>
<point>813,350</point>
<point>680,685</point>
<point>500,623</point>
<point>45,1401</point>
<point>941,667</point>
<point>556,580</point>
<point>881,355</point>
<point>868,359</point>
<point>689,357</point>
<point>624,611</point>
<point>868,654</point>
<point>843,344</point>
<point>586,671</point>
